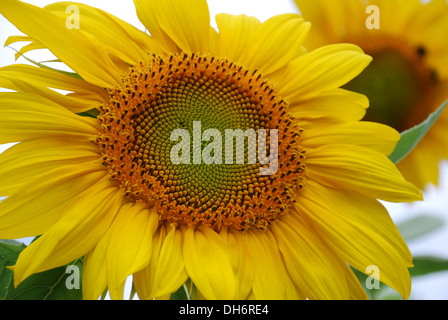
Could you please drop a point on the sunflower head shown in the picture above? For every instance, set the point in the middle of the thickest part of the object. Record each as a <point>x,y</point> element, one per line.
<point>194,94</point>
<point>229,157</point>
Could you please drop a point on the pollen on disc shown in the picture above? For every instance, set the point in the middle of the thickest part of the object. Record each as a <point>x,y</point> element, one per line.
<point>199,94</point>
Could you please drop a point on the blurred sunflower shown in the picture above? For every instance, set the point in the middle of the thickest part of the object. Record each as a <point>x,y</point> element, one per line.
<point>408,78</point>
<point>104,187</point>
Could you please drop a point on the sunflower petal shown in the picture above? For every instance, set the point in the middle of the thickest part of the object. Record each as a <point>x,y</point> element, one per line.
<point>85,221</point>
<point>234,34</point>
<point>372,135</point>
<point>270,51</point>
<point>262,46</point>
<point>31,159</point>
<point>38,204</point>
<point>339,105</point>
<point>27,116</point>
<point>313,267</point>
<point>170,271</point>
<point>323,69</point>
<point>360,169</point>
<point>208,263</point>
<point>184,23</point>
<point>39,81</point>
<point>94,270</point>
<point>242,263</point>
<point>130,246</point>
<point>271,280</point>
<point>144,280</point>
<point>360,230</point>
<point>34,45</point>
<point>72,46</point>
<point>166,272</point>
<point>148,17</point>
<point>332,20</point>
<point>118,37</point>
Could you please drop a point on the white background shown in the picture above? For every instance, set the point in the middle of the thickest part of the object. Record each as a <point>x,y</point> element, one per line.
<point>434,286</point>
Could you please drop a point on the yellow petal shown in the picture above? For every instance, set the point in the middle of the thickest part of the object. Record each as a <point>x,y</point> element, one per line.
<point>421,165</point>
<point>41,81</point>
<point>372,135</point>
<point>235,33</point>
<point>14,39</point>
<point>144,279</point>
<point>72,46</point>
<point>170,272</point>
<point>271,280</point>
<point>29,160</point>
<point>332,20</point>
<point>339,105</point>
<point>39,203</point>
<point>166,272</point>
<point>130,244</point>
<point>34,45</point>
<point>311,263</point>
<point>323,69</point>
<point>27,116</point>
<point>94,269</point>
<point>350,167</point>
<point>242,263</point>
<point>276,42</point>
<point>83,224</point>
<point>147,15</point>
<point>360,230</point>
<point>118,37</point>
<point>266,47</point>
<point>208,263</point>
<point>186,23</point>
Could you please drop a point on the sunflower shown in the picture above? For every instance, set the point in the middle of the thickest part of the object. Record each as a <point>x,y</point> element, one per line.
<point>408,78</point>
<point>94,174</point>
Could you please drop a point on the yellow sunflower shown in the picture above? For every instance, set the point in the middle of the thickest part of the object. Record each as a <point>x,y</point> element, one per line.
<point>408,78</point>
<point>94,174</point>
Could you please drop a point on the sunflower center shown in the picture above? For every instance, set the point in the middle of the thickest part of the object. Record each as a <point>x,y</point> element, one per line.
<point>203,140</point>
<point>398,82</point>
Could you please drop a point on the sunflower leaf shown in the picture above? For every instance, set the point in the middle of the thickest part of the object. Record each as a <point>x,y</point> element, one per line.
<point>425,265</point>
<point>93,113</point>
<point>419,226</point>
<point>180,294</point>
<point>9,251</point>
<point>411,137</point>
<point>382,292</point>
<point>186,292</point>
<point>62,283</point>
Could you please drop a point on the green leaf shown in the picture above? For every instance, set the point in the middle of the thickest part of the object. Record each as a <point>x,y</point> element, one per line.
<point>180,294</point>
<point>92,113</point>
<point>383,292</point>
<point>12,242</point>
<point>9,251</point>
<point>424,265</point>
<point>410,138</point>
<point>419,226</point>
<point>63,283</point>
<point>133,292</point>
<point>186,292</point>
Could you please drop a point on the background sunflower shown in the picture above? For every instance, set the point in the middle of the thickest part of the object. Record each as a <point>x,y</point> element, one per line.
<point>409,30</point>
<point>407,79</point>
<point>269,9</point>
